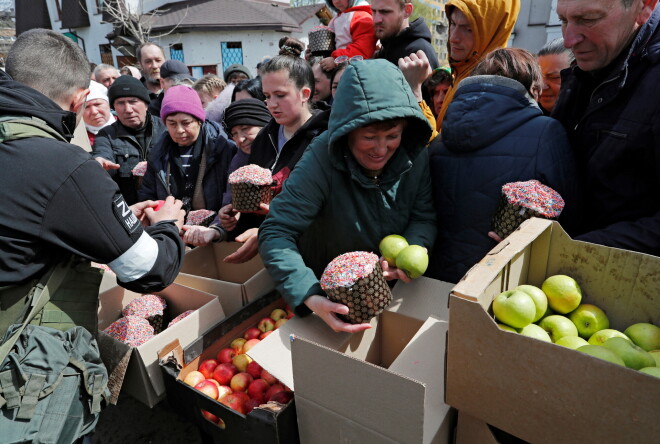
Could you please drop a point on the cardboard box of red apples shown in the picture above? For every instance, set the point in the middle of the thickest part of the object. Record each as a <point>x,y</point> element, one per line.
<point>214,383</point>
<point>539,391</point>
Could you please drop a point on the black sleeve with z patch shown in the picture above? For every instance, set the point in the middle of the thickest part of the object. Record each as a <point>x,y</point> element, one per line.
<point>126,217</point>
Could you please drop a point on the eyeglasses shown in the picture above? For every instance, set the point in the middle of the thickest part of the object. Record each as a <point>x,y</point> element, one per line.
<point>343,59</point>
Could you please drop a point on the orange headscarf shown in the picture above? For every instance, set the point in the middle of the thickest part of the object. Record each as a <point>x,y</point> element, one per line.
<point>491,22</point>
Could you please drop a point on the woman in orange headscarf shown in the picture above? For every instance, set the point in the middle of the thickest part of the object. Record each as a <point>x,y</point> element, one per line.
<point>476,27</point>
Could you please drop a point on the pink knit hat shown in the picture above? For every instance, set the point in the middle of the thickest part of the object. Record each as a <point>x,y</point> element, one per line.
<point>182,99</point>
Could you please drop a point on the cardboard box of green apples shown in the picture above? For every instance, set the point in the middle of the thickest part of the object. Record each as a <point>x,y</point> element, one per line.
<point>546,392</point>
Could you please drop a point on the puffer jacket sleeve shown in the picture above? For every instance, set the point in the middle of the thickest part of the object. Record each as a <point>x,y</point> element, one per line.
<point>422,227</point>
<point>363,36</point>
<point>291,214</point>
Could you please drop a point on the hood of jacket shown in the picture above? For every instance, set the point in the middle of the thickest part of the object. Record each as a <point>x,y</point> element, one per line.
<point>485,109</point>
<point>17,99</point>
<point>492,22</point>
<point>372,91</point>
<point>351,4</point>
<point>416,30</point>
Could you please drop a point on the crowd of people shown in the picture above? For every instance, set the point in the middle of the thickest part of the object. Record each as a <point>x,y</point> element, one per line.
<point>368,139</point>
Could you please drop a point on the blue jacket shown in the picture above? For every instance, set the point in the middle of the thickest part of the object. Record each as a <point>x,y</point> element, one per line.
<point>493,133</point>
<point>219,152</point>
<point>613,121</point>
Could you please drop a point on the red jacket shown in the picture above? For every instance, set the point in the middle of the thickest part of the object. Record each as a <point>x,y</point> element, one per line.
<point>354,32</point>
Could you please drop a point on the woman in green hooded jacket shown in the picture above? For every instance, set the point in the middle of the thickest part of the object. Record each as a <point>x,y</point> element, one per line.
<point>363,179</point>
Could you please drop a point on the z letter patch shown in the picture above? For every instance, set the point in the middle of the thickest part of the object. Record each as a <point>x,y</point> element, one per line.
<point>125,216</point>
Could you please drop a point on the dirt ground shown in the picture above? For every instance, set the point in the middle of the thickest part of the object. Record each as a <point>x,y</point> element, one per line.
<point>130,421</point>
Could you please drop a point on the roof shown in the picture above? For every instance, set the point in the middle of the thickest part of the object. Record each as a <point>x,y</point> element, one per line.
<point>226,15</point>
<point>303,13</point>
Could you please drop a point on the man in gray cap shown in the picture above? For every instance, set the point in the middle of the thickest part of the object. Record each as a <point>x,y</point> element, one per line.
<point>236,73</point>
<point>171,72</point>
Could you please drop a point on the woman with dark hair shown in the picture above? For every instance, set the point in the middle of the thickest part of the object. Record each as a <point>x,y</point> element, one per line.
<point>494,133</point>
<point>248,89</point>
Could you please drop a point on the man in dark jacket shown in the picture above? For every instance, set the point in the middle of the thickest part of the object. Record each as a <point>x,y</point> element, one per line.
<point>609,104</point>
<point>398,37</point>
<point>120,146</point>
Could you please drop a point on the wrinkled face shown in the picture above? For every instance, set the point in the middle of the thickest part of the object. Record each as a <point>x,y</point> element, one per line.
<point>439,93</point>
<point>335,82</point>
<point>389,17</point>
<point>237,77</point>
<point>283,99</point>
<point>107,77</point>
<point>97,112</point>
<point>373,146</point>
<point>151,60</point>
<point>183,128</point>
<point>243,135</point>
<point>131,111</point>
<point>598,30</point>
<point>322,88</point>
<point>461,39</point>
<point>551,65</point>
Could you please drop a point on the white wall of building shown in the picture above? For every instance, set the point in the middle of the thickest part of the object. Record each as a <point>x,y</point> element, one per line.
<point>537,24</point>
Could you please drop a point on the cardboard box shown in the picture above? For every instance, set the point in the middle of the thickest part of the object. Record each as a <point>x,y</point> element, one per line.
<point>135,369</point>
<point>471,430</point>
<point>542,392</point>
<point>382,385</point>
<point>203,268</point>
<point>264,425</point>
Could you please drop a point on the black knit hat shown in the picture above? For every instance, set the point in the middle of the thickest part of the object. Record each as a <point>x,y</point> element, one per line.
<point>127,86</point>
<point>251,112</point>
<point>236,68</point>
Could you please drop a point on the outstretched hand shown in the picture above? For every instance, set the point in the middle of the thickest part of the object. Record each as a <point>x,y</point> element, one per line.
<point>248,250</point>
<point>328,311</point>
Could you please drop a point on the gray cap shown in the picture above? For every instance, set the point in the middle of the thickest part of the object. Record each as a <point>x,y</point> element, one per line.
<point>171,68</point>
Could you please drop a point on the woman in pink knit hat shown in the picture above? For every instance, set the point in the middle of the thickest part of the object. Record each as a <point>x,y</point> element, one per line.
<point>191,159</point>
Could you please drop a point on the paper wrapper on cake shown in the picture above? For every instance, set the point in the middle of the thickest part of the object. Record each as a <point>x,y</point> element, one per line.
<point>140,169</point>
<point>250,187</point>
<point>356,280</point>
<point>131,330</point>
<point>200,217</point>
<point>523,200</point>
<point>150,307</point>
<point>321,41</point>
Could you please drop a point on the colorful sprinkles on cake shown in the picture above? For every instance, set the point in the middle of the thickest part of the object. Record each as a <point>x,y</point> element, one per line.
<point>535,196</point>
<point>131,330</point>
<point>145,306</point>
<point>178,318</point>
<point>251,174</point>
<point>140,169</point>
<point>346,269</point>
<point>200,217</point>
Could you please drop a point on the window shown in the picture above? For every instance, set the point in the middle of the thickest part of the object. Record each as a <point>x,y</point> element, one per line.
<point>59,9</point>
<point>200,71</point>
<point>106,54</point>
<point>232,53</point>
<point>99,6</point>
<point>176,52</point>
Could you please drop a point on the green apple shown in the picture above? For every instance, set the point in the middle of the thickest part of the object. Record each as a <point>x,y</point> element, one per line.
<point>413,260</point>
<point>603,335</point>
<point>507,328</point>
<point>644,335</point>
<point>632,355</point>
<point>573,342</point>
<point>514,308</point>
<point>603,353</point>
<point>653,371</point>
<point>589,319</point>
<point>563,292</point>
<point>547,313</point>
<point>391,246</point>
<point>558,326</point>
<point>539,298</point>
<point>656,356</point>
<point>536,332</point>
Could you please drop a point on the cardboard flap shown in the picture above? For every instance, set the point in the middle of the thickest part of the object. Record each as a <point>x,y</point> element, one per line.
<point>421,298</point>
<point>115,356</point>
<point>230,294</point>
<point>274,352</point>
<point>380,395</point>
<point>209,262</point>
<point>258,285</point>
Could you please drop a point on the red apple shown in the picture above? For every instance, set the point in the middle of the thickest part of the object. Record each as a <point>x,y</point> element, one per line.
<point>241,361</point>
<point>208,388</point>
<point>193,378</point>
<point>280,322</point>
<point>234,402</point>
<point>282,397</point>
<point>224,391</point>
<point>289,312</point>
<point>217,384</point>
<point>254,369</point>
<point>210,416</point>
<point>206,367</point>
<point>249,344</point>
<point>252,333</point>
<point>274,389</point>
<point>257,389</point>
<point>265,334</point>
<point>224,372</point>
<point>250,404</point>
<point>225,355</point>
<point>266,324</point>
<point>277,314</point>
<point>240,382</point>
<point>237,344</point>
<point>242,395</point>
<point>268,377</point>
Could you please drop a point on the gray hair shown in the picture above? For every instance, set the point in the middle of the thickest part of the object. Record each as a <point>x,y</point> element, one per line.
<point>556,47</point>
<point>103,67</point>
<point>138,51</point>
<point>49,62</point>
<point>182,79</point>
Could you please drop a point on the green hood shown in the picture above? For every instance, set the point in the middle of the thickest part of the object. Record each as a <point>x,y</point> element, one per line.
<point>372,91</point>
